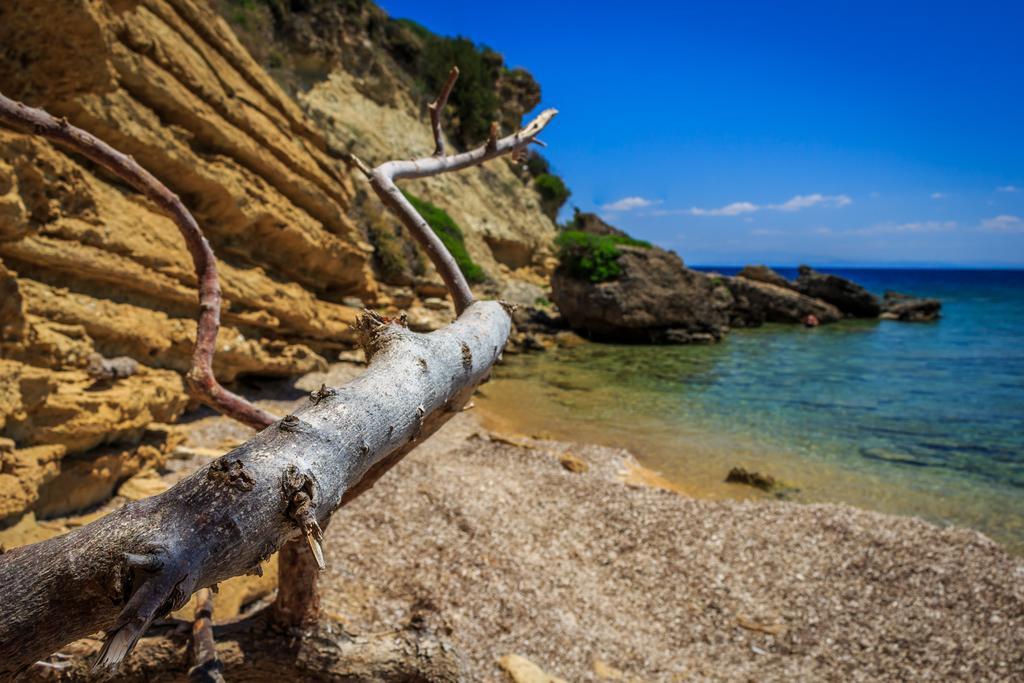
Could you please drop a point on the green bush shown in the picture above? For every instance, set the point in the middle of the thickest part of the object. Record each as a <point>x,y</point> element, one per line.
<point>474,100</point>
<point>553,193</point>
<point>593,257</point>
<point>536,164</point>
<point>450,235</point>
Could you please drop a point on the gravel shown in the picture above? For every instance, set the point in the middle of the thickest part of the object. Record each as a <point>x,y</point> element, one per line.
<point>510,552</point>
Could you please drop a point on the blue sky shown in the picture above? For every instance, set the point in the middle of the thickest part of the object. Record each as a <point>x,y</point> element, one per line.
<point>827,132</point>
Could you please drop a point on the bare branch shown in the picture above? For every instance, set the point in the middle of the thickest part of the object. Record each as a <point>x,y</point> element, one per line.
<point>207,667</point>
<point>202,383</point>
<point>383,178</point>
<point>437,109</point>
<point>492,137</point>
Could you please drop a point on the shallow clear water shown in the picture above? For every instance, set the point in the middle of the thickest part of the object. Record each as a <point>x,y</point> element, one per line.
<point>923,419</point>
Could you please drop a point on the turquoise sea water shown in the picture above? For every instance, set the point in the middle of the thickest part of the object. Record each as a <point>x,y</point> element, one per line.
<point>924,419</point>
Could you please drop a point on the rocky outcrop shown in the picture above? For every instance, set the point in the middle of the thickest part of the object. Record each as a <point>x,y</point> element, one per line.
<point>758,302</point>
<point>765,274</point>
<point>654,299</point>
<point>906,308</point>
<point>584,221</point>
<point>849,297</point>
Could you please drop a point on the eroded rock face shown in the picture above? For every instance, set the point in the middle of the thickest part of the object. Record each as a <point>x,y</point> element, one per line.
<point>849,297</point>
<point>655,299</point>
<point>757,302</point>
<point>89,268</point>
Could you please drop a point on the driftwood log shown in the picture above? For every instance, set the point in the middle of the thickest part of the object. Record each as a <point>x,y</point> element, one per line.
<point>137,564</point>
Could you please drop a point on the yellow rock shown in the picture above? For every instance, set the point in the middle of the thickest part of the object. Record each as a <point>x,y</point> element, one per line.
<point>27,530</point>
<point>234,594</point>
<point>573,462</point>
<point>522,670</point>
<point>143,485</point>
<point>607,671</point>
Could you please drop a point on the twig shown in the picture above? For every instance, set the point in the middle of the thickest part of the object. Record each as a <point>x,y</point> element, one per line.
<point>437,109</point>
<point>202,383</point>
<point>383,178</point>
<point>207,667</point>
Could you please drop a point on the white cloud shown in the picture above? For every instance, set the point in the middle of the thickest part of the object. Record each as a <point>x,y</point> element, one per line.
<point>1007,188</point>
<point>734,209</point>
<point>875,195</point>
<point>939,195</point>
<point>1004,223</point>
<point>806,201</point>
<point>796,203</point>
<point>765,232</point>
<point>628,204</point>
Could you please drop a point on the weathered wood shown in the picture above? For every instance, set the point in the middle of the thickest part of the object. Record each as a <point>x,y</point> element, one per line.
<point>120,572</point>
<point>206,666</point>
<point>258,650</point>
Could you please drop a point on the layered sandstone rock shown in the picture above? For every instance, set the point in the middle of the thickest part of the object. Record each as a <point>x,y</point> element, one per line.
<point>87,266</point>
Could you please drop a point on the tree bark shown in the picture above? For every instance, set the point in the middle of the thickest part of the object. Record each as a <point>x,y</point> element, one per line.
<point>142,561</point>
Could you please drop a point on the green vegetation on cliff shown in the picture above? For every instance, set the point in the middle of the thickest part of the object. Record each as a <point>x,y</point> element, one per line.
<point>450,235</point>
<point>553,193</point>
<point>593,257</point>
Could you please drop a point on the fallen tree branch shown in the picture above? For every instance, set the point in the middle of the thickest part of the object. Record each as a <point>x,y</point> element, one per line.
<point>121,572</point>
<point>144,560</point>
<point>203,385</point>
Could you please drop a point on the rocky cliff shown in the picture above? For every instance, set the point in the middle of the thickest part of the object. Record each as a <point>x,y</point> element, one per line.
<point>90,270</point>
<point>365,79</point>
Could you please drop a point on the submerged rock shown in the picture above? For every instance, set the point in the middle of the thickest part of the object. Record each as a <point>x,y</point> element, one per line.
<point>907,308</point>
<point>849,297</point>
<point>740,475</point>
<point>655,299</point>
<point>757,302</point>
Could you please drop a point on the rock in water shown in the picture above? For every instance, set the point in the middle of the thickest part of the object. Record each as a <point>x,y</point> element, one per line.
<point>653,300</point>
<point>906,308</point>
<point>740,475</point>
<point>849,297</point>
<point>765,274</point>
<point>756,303</point>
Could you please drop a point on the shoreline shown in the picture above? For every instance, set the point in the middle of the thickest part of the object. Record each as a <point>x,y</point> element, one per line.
<point>576,394</point>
